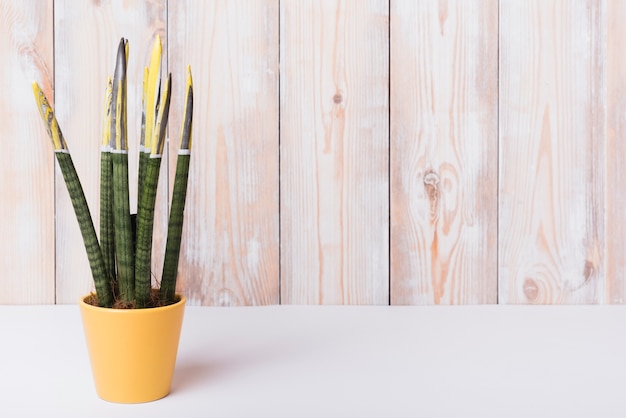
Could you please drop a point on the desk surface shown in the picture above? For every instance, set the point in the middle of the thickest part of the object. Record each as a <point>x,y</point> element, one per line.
<point>339,361</point>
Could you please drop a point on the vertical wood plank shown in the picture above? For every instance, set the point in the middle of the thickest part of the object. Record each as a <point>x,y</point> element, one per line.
<point>334,152</point>
<point>86,38</point>
<point>615,151</point>
<point>444,106</point>
<point>229,255</point>
<point>551,153</point>
<point>26,161</point>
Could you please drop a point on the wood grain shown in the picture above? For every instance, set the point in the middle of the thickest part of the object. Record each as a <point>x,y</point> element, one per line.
<point>615,89</point>
<point>86,39</point>
<point>473,149</point>
<point>334,152</point>
<point>551,153</point>
<point>26,160</point>
<point>444,107</point>
<point>230,237</point>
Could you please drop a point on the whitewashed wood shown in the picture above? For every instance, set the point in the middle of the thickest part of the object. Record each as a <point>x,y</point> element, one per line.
<point>334,152</point>
<point>230,238</point>
<point>86,39</point>
<point>562,120</point>
<point>615,67</point>
<point>26,162</point>
<point>551,224</point>
<point>444,107</point>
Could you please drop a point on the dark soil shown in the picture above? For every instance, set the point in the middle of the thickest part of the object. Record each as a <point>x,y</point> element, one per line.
<point>155,301</point>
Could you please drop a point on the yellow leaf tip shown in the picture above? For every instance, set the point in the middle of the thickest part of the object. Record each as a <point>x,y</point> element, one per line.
<point>157,44</point>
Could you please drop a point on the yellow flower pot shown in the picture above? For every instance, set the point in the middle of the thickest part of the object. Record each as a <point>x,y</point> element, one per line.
<point>132,351</point>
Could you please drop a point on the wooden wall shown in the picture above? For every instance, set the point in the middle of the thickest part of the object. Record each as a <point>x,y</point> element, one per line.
<point>345,151</point>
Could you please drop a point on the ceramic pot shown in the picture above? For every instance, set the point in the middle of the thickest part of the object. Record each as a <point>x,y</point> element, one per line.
<point>132,351</point>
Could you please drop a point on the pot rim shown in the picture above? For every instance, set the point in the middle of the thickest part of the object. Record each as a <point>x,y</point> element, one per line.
<point>114,311</point>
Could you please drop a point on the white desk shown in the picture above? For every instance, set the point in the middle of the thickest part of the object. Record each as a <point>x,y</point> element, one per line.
<point>294,361</point>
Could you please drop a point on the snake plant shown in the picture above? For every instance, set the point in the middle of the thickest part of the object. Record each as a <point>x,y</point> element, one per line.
<point>120,260</point>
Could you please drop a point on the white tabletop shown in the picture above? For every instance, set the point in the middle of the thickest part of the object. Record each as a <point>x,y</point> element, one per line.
<point>339,361</point>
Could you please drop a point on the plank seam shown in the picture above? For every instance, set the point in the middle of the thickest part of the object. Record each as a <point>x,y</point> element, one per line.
<point>389,152</point>
<point>280,237</point>
<point>498,168</point>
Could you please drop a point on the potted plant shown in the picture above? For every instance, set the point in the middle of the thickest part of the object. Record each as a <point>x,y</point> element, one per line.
<point>132,329</point>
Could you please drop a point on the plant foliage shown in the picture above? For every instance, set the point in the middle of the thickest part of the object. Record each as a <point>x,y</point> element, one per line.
<point>121,260</point>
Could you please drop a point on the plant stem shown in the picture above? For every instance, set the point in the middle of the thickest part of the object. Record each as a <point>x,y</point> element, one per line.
<point>94,255</point>
<point>175,230</point>
<point>141,175</point>
<point>145,223</point>
<point>107,233</point>
<point>179,195</point>
<point>124,248</point>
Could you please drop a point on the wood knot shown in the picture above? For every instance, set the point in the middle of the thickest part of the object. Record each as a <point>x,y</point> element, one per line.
<point>431,184</point>
<point>338,97</point>
<point>531,290</point>
<point>589,270</point>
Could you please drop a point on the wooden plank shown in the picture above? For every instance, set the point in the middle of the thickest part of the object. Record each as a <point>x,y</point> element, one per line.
<point>229,254</point>
<point>334,152</point>
<point>26,190</point>
<point>86,38</point>
<point>444,106</point>
<point>615,151</point>
<point>551,247</point>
